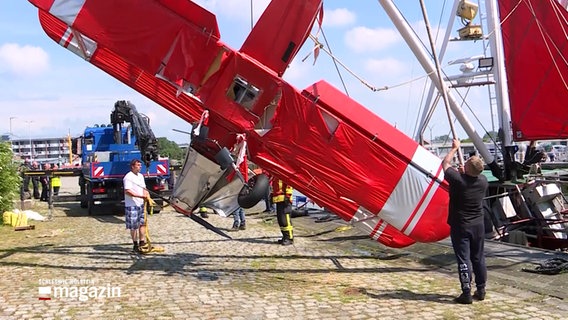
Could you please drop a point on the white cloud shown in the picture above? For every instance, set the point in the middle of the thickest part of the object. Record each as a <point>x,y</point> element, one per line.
<point>389,66</point>
<point>23,61</point>
<point>338,17</point>
<point>298,72</point>
<point>236,9</point>
<point>363,39</point>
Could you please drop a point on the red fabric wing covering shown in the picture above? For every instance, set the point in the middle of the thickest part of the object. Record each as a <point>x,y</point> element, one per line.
<point>191,11</point>
<point>147,43</point>
<point>534,38</point>
<point>354,164</point>
<point>42,4</point>
<point>280,32</point>
<point>324,195</point>
<point>157,90</point>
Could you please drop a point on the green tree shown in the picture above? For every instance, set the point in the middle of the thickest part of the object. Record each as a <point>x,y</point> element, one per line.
<point>170,149</point>
<point>443,138</point>
<point>490,136</point>
<point>10,180</point>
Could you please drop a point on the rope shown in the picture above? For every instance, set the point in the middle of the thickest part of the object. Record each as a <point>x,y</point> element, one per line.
<point>149,205</point>
<point>550,266</point>
<point>351,72</point>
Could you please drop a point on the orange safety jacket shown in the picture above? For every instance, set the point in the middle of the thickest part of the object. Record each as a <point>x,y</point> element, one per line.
<point>281,191</point>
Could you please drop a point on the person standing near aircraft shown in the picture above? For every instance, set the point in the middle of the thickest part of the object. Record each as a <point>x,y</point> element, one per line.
<point>267,200</point>
<point>134,195</point>
<point>282,197</point>
<point>239,219</point>
<point>45,184</point>
<point>25,188</point>
<point>55,181</point>
<point>467,231</point>
<point>35,180</point>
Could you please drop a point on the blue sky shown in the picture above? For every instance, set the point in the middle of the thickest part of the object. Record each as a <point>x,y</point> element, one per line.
<point>48,91</point>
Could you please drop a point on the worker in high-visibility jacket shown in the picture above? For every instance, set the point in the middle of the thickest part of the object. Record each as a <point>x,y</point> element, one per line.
<point>55,181</point>
<point>282,197</point>
<point>56,184</point>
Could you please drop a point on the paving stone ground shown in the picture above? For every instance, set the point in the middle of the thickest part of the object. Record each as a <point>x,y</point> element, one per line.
<point>326,274</point>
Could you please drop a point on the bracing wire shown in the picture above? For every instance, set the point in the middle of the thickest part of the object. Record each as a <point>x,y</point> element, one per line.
<point>363,81</point>
<point>335,63</point>
<point>251,15</point>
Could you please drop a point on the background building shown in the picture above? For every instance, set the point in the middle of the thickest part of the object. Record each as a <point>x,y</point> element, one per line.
<point>51,150</point>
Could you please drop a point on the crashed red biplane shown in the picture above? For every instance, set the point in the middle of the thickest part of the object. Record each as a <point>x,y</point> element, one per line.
<point>318,140</point>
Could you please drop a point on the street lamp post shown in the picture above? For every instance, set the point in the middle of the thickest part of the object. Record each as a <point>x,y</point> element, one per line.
<point>432,149</point>
<point>11,136</point>
<point>430,128</point>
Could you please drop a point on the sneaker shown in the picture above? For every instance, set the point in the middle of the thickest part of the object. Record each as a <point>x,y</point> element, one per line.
<point>204,215</point>
<point>242,227</point>
<point>464,298</point>
<point>135,248</point>
<point>235,226</point>
<point>479,295</point>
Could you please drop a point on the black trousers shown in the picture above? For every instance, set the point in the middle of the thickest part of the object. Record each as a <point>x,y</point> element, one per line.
<point>35,184</point>
<point>45,193</point>
<point>468,244</point>
<point>283,215</point>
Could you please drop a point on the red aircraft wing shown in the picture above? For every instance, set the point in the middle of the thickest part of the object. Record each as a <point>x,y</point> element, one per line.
<point>162,48</point>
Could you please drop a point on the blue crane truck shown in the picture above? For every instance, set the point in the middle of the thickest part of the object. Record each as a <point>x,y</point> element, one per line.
<point>106,152</point>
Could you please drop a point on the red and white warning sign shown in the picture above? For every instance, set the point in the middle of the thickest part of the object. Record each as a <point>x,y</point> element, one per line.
<point>98,172</point>
<point>161,169</point>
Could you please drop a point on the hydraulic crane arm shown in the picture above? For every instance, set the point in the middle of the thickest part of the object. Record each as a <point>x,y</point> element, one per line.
<point>124,111</point>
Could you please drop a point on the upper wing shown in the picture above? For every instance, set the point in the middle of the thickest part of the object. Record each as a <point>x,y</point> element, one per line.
<point>161,48</point>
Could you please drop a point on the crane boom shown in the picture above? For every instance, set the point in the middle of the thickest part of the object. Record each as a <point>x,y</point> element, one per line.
<point>125,111</point>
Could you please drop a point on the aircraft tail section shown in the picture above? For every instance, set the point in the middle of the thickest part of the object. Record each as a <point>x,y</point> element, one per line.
<point>281,31</point>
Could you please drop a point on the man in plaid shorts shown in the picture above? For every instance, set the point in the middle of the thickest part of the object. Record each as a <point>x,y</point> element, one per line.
<point>134,194</point>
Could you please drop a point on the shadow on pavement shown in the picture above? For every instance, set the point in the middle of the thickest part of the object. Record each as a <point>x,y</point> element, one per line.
<point>108,215</point>
<point>409,295</point>
<point>118,256</point>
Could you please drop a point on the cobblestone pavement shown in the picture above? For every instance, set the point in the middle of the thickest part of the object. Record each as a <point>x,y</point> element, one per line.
<point>201,275</point>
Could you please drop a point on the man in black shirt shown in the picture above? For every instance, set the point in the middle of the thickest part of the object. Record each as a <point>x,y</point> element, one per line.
<point>467,190</point>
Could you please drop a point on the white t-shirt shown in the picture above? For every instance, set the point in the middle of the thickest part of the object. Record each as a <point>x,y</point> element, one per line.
<point>136,183</point>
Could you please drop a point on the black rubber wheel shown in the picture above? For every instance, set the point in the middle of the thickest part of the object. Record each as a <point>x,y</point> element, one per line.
<point>90,202</point>
<point>254,191</point>
<point>84,200</point>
